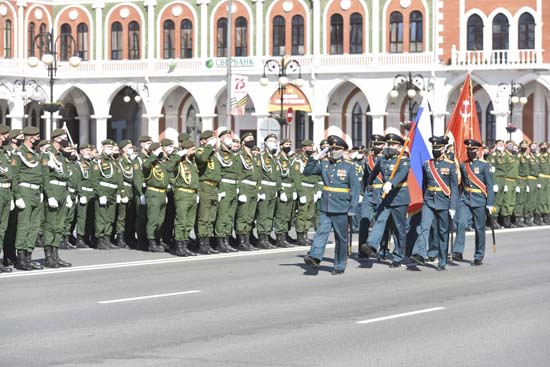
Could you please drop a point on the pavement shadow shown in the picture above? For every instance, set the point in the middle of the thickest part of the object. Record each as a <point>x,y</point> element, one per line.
<point>309,270</point>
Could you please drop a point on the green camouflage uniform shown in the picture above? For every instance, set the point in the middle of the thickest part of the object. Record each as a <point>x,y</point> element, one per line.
<point>107,182</point>
<point>157,180</point>
<point>209,179</point>
<point>126,208</point>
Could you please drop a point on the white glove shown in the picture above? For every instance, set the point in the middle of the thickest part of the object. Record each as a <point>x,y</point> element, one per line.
<point>212,141</point>
<point>321,154</point>
<point>242,198</point>
<point>198,199</point>
<point>452,213</point>
<point>495,188</point>
<point>41,197</point>
<point>360,198</point>
<point>303,199</point>
<point>12,205</point>
<point>83,200</point>
<point>69,202</point>
<point>118,199</point>
<point>221,195</point>
<point>282,197</point>
<point>52,203</point>
<point>124,200</point>
<point>157,151</point>
<point>182,152</point>
<point>527,188</point>
<point>142,199</point>
<point>261,197</point>
<point>539,186</point>
<point>51,164</point>
<point>316,197</point>
<point>294,196</point>
<point>505,188</point>
<point>351,214</point>
<point>490,209</point>
<point>103,200</point>
<point>20,203</point>
<point>319,194</point>
<point>238,190</point>
<point>387,187</point>
<point>166,200</point>
<point>518,189</point>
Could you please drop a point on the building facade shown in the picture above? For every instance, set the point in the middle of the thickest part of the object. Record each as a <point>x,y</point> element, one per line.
<point>159,67</point>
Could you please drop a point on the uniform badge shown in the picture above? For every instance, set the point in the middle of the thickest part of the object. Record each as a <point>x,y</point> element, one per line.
<point>476,170</point>
<point>341,173</point>
<point>210,164</point>
<point>29,156</point>
<point>136,166</point>
<point>284,164</point>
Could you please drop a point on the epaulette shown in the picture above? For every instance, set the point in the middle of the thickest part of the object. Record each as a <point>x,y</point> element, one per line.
<point>482,160</point>
<point>448,160</point>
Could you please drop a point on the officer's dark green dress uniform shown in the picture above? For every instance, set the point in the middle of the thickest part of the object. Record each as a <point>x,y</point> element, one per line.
<point>70,216</point>
<point>126,209</point>
<point>523,158</point>
<point>6,197</point>
<point>305,189</point>
<point>283,208</point>
<point>85,213</point>
<point>139,195</point>
<point>501,163</point>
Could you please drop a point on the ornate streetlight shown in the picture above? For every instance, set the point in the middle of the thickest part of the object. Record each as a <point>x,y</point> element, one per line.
<point>515,96</point>
<point>141,91</point>
<point>415,84</point>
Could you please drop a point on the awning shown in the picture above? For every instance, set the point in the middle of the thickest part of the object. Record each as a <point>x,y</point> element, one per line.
<point>293,97</point>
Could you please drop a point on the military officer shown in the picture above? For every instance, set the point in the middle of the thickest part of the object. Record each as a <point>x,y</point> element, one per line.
<point>126,208</point>
<point>395,200</point>
<point>16,138</point>
<point>338,201</point>
<point>501,162</point>
<point>139,190</point>
<point>478,197</point>
<point>318,187</point>
<point>6,198</point>
<point>532,178</point>
<point>544,177</point>
<point>285,203</point>
<point>440,188</point>
<point>523,189</point>
<point>72,187</point>
<point>85,211</point>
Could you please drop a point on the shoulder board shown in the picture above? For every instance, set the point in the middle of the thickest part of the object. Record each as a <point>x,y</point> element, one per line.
<point>482,160</point>
<point>200,150</point>
<point>348,161</point>
<point>44,162</point>
<point>448,161</point>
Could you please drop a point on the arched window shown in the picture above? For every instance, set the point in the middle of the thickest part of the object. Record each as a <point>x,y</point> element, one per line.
<point>186,39</point>
<point>169,38</point>
<point>297,35</point>
<point>192,127</point>
<point>66,45</point>
<point>500,32</point>
<point>279,36</point>
<point>356,34</point>
<point>43,31</point>
<point>116,41</point>
<point>133,40</point>
<point>82,41</point>
<point>416,35</point>
<point>368,125</point>
<point>221,41</point>
<point>474,38</point>
<point>490,125</point>
<point>241,37</point>
<point>336,34</point>
<point>526,32</point>
<point>396,32</point>
<point>300,127</point>
<point>32,30</point>
<point>7,39</point>
<point>357,125</point>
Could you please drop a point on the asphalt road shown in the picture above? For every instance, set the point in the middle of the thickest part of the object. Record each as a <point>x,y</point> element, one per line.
<point>268,309</point>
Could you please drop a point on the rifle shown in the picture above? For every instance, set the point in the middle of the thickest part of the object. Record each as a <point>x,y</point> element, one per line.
<point>70,139</point>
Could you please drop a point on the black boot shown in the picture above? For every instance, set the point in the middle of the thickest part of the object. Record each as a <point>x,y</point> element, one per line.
<point>120,242</point>
<point>494,222</point>
<point>228,245</point>
<point>110,243</point>
<point>187,250</point>
<point>154,247</point>
<point>547,218</point>
<point>39,241</point>
<point>101,244</point>
<point>61,263</point>
<point>5,269</point>
<point>529,221</point>
<point>301,241</point>
<point>64,243</point>
<point>210,248</point>
<point>243,243</point>
<point>263,242</point>
<point>80,243</point>
<point>204,248</point>
<point>520,222</point>
<point>68,242</point>
<point>50,259</point>
<point>34,264</point>
<point>281,241</point>
<point>179,249</point>
<point>22,263</point>
<point>222,244</point>
<point>538,220</point>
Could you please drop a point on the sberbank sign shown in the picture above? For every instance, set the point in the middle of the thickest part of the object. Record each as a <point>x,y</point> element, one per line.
<point>242,62</point>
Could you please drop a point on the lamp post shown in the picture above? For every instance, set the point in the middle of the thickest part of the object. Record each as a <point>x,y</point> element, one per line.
<point>25,88</point>
<point>140,92</point>
<point>415,84</point>
<point>515,96</point>
<point>282,67</point>
<point>48,44</point>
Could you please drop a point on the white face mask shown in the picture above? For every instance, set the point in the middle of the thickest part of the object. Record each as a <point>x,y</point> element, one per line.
<point>500,148</point>
<point>108,151</point>
<point>130,152</point>
<point>359,156</point>
<point>271,146</point>
<point>336,154</point>
<point>169,150</point>
<point>228,142</point>
<point>354,155</point>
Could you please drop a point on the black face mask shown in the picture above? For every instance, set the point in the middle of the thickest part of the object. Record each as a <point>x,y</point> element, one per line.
<point>522,149</point>
<point>35,143</point>
<point>5,142</point>
<point>436,153</point>
<point>115,155</point>
<point>19,142</point>
<point>485,155</point>
<point>471,155</point>
<point>377,150</point>
<point>66,154</point>
<point>160,155</point>
<point>249,143</point>
<point>543,150</point>
<point>308,152</point>
<point>73,158</point>
<point>285,149</point>
<point>64,143</point>
<point>390,152</point>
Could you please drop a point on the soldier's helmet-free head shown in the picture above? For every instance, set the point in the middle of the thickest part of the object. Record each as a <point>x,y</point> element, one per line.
<point>377,143</point>
<point>107,147</point>
<point>543,147</point>
<point>59,135</point>
<point>167,146</point>
<point>438,145</point>
<point>323,144</point>
<point>32,135</point>
<point>270,142</point>
<point>285,145</point>
<point>145,142</point>
<point>472,148</point>
<point>248,140</point>
<point>337,147</point>
<point>523,146</point>
<point>226,137</point>
<point>394,143</point>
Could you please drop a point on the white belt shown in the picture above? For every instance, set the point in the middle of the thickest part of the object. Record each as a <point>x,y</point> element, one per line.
<point>229,181</point>
<point>5,185</point>
<point>268,183</point>
<point>71,190</point>
<point>109,185</point>
<point>127,184</point>
<point>89,189</point>
<point>304,184</point>
<point>58,183</point>
<point>30,185</point>
<point>285,184</point>
<point>249,182</point>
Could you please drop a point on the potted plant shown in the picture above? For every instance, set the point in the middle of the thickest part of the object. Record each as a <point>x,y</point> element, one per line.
<point>52,107</point>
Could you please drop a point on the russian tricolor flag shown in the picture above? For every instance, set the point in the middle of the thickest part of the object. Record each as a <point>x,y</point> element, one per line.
<point>420,151</point>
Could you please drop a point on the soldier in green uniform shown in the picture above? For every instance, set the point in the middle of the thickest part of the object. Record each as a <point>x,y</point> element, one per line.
<point>500,165</point>
<point>55,176</point>
<point>185,184</point>
<point>249,183</point>
<point>6,198</point>
<point>509,200</point>
<point>126,208</point>
<point>285,202</point>
<point>544,177</point>
<point>318,187</point>
<point>139,191</point>
<point>86,198</point>
<point>157,180</point>
<point>530,202</point>
<point>209,196</point>
<point>16,138</point>
<point>305,189</point>
<point>522,189</point>
<point>107,185</point>
<point>72,187</point>
<point>538,190</point>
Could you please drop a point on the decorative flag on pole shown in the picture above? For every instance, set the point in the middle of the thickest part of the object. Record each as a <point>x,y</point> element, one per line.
<point>464,123</point>
<point>420,150</point>
<point>239,94</point>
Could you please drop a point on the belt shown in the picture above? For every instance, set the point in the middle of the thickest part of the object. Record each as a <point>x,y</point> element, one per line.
<point>305,184</point>
<point>531,177</point>
<point>5,185</point>
<point>210,182</point>
<point>543,175</point>
<point>30,185</point>
<point>286,184</point>
<point>249,182</point>
<point>377,186</point>
<point>335,189</point>
<point>71,190</point>
<point>155,189</point>
<point>402,184</point>
<point>58,183</point>
<point>524,177</point>
<point>434,188</point>
<point>183,189</point>
<point>229,181</point>
<point>476,191</point>
<point>510,179</point>
<point>107,184</point>
<point>127,184</point>
<point>89,189</point>
<point>268,183</point>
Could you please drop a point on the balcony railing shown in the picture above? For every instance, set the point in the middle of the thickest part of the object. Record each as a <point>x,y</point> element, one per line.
<point>500,58</point>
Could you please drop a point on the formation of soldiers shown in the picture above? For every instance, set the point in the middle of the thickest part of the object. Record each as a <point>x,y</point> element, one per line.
<point>153,196</point>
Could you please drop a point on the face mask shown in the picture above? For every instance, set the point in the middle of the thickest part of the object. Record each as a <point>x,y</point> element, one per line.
<point>130,152</point>
<point>510,148</point>
<point>271,146</point>
<point>249,143</point>
<point>20,141</point>
<point>286,149</point>
<point>160,155</point>
<point>73,158</point>
<point>390,152</point>
<point>485,155</point>
<point>228,142</point>
<point>359,157</point>
<point>471,155</point>
<point>115,155</point>
<point>170,150</point>
<point>64,143</point>
<point>308,152</point>
<point>5,142</point>
<point>377,149</point>
<point>66,154</point>
<point>108,151</point>
<point>437,153</point>
<point>523,149</point>
<point>336,154</point>
<point>500,148</point>
<point>353,155</point>
<point>543,150</point>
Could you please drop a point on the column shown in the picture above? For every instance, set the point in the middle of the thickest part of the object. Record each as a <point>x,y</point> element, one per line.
<point>204,27</point>
<point>539,113</point>
<point>377,122</point>
<point>439,122</point>
<point>150,4</point>
<point>152,125</point>
<point>84,129</point>
<point>501,117</point>
<point>100,128</point>
<point>319,127</point>
<point>317,35</point>
<point>259,33</point>
<point>17,114</point>
<point>375,47</point>
<point>49,125</point>
<point>20,29</point>
<point>207,121</point>
<point>171,131</point>
<point>98,6</point>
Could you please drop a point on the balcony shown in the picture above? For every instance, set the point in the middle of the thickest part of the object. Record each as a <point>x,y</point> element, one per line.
<point>501,59</point>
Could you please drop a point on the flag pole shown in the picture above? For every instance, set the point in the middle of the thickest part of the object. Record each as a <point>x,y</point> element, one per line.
<point>228,65</point>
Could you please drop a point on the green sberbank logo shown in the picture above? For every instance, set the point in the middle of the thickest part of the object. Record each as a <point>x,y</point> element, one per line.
<point>221,62</point>
<point>209,63</point>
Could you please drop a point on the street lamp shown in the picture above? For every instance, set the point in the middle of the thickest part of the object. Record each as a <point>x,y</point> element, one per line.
<point>415,84</point>
<point>47,43</point>
<point>283,67</point>
<point>140,92</point>
<point>515,96</point>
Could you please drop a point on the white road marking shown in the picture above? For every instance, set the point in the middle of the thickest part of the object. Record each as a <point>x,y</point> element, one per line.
<point>147,297</point>
<point>370,321</point>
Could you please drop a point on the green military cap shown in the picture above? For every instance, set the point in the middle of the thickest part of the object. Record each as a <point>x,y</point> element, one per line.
<point>188,144</point>
<point>166,142</point>
<point>108,142</point>
<point>284,141</point>
<point>28,131</point>
<point>207,134</point>
<point>85,146</point>
<point>183,137</point>
<point>236,140</point>
<point>246,135</point>
<point>145,138</point>
<point>270,136</point>
<point>42,143</point>
<point>154,146</point>
<point>124,143</point>
<point>16,132</point>
<point>4,129</point>
<point>255,148</point>
<point>524,142</point>
<point>223,131</point>
<point>58,132</point>
<point>472,144</point>
<point>307,143</point>
<point>323,142</point>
